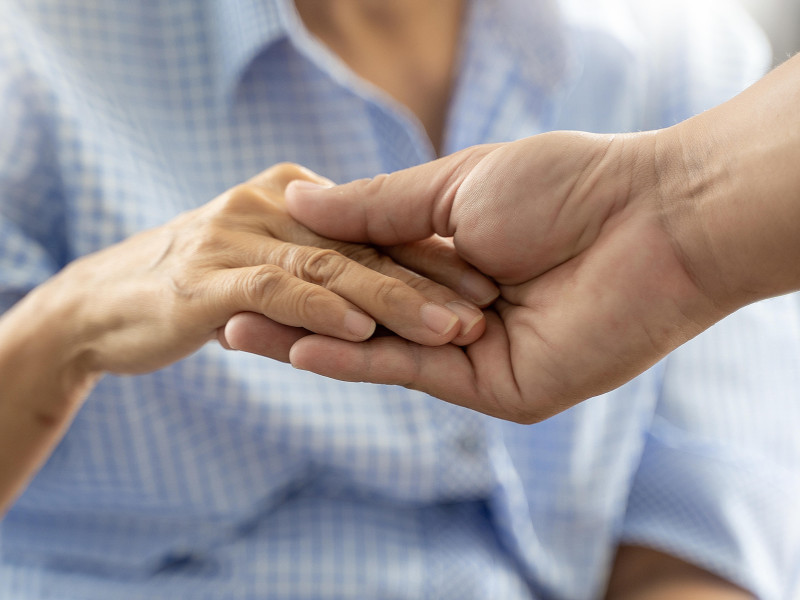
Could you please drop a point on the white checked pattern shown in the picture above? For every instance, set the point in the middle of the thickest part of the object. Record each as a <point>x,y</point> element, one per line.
<point>228,476</point>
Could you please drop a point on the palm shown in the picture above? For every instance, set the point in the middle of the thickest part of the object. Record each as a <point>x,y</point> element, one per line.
<point>592,292</point>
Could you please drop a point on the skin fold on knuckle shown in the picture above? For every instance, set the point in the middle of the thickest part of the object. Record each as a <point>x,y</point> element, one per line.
<point>425,286</point>
<point>247,207</point>
<point>385,265</point>
<point>391,294</point>
<point>242,198</point>
<point>319,265</point>
<point>425,265</point>
<point>262,284</point>
<point>307,305</point>
<point>278,176</point>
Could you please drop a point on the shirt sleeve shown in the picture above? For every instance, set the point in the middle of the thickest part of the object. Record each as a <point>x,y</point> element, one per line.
<point>719,480</point>
<point>32,219</point>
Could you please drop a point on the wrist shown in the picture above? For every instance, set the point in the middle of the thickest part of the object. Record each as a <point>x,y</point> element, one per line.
<point>43,356</point>
<point>45,379</point>
<point>729,189</point>
<point>695,188</point>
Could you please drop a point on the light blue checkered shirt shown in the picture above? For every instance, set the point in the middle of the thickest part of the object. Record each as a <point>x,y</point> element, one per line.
<point>230,476</point>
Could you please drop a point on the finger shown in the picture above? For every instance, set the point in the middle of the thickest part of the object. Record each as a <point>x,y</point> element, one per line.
<point>257,334</point>
<point>442,371</point>
<point>404,206</point>
<point>471,322</point>
<point>476,377</point>
<point>426,318</point>
<point>412,306</point>
<point>286,299</point>
<point>437,259</point>
<point>470,317</point>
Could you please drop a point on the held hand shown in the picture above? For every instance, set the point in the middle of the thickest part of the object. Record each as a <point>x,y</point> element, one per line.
<point>241,269</point>
<point>593,289</point>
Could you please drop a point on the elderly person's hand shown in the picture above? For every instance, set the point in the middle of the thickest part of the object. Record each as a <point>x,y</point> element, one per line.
<point>238,269</point>
<point>162,294</point>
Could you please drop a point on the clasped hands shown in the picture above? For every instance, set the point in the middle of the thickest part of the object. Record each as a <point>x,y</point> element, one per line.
<point>587,247</point>
<point>572,258</point>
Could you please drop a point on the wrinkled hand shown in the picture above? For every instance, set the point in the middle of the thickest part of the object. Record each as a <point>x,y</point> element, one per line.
<point>242,270</point>
<point>593,289</point>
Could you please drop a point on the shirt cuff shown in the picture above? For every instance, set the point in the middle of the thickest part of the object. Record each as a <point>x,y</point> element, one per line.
<point>726,511</point>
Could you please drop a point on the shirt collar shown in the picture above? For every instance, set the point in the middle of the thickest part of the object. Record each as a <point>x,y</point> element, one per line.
<point>535,31</point>
<point>541,33</point>
<point>242,29</point>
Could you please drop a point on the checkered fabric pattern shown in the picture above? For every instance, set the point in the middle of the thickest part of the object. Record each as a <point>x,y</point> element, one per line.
<point>230,476</point>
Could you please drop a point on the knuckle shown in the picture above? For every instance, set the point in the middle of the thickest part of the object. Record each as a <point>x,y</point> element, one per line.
<point>285,170</point>
<point>387,291</point>
<point>320,265</point>
<point>386,265</point>
<point>421,284</point>
<point>264,282</point>
<point>279,175</point>
<point>303,302</point>
<point>243,198</point>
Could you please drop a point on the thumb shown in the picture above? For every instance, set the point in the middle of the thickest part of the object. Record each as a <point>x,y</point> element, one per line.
<point>400,207</point>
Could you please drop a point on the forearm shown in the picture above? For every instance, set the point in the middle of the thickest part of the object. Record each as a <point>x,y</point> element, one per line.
<point>731,188</point>
<point>44,383</point>
<point>641,573</point>
<point>680,590</point>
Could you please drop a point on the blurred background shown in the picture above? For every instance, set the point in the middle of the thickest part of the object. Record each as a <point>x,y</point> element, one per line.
<point>781,20</point>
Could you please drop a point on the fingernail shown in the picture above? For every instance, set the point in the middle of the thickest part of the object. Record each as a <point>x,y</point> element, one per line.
<point>359,324</point>
<point>467,314</point>
<point>438,318</point>
<point>478,288</point>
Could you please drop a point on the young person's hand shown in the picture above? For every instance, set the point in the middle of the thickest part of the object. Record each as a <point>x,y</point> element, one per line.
<point>611,250</point>
<point>592,288</point>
